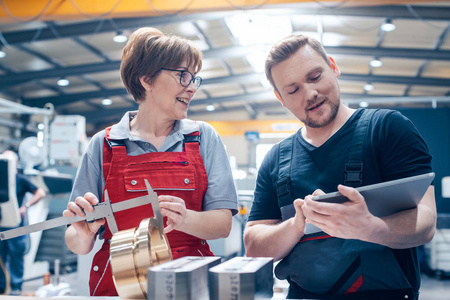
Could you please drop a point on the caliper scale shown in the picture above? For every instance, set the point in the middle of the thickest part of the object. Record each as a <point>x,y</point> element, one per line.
<point>132,250</point>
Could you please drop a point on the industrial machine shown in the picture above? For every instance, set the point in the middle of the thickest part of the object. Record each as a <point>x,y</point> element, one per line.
<point>9,209</point>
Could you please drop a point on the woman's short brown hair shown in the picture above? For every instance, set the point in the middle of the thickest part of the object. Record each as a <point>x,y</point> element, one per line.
<point>288,46</point>
<point>147,51</point>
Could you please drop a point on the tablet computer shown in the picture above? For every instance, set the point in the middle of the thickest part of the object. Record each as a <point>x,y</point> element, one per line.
<point>385,198</point>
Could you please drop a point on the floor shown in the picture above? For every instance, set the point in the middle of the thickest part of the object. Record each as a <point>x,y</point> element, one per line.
<point>432,288</point>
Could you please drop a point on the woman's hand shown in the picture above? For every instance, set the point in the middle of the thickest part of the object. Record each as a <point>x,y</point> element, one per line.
<point>85,230</point>
<point>175,210</point>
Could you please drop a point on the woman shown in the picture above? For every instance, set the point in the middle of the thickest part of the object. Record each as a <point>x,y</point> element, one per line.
<point>192,178</point>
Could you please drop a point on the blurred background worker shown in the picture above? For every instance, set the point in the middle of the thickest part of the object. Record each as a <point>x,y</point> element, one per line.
<point>12,251</point>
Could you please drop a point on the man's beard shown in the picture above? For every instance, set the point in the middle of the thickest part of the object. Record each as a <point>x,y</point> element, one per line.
<point>317,123</point>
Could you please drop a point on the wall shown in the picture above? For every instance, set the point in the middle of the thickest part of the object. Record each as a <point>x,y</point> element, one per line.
<point>434,125</point>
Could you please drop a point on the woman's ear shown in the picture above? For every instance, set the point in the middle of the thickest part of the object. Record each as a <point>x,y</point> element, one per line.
<point>145,83</point>
<point>279,98</point>
<point>334,67</point>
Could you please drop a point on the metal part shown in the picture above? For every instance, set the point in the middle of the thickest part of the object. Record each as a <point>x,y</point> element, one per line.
<point>155,206</point>
<point>101,210</point>
<point>243,278</point>
<point>132,252</point>
<point>135,250</point>
<point>183,279</point>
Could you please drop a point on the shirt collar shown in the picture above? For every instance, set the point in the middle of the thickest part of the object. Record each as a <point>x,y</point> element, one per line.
<point>121,130</point>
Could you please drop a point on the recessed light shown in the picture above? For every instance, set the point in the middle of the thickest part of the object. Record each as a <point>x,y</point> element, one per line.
<point>363,104</point>
<point>63,82</point>
<point>368,87</point>
<point>375,63</point>
<point>106,101</point>
<point>120,38</point>
<point>388,26</point>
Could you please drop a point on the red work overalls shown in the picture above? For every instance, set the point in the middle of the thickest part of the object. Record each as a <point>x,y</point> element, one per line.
<point>180,174</point>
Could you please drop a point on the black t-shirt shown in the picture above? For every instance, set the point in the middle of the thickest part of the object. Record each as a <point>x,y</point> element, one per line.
<point>23,185</point>
<point>393,149</point>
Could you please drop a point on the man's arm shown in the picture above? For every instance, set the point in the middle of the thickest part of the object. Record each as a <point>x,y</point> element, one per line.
<point>352,220</point>
<point>37,195</point>
<point>409,228</point>
<point>273,238</point>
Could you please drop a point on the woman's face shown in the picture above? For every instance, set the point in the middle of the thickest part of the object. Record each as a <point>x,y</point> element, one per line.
<point>168,96</point>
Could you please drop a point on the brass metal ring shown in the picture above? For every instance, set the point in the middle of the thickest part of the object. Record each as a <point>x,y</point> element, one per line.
<point>132,252</point>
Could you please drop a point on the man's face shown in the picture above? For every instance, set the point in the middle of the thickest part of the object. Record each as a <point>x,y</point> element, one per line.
<point>308,87</point>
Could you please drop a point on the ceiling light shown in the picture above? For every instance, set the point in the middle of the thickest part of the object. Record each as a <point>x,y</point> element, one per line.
<point>368,87</point>
<point>120,38</point>
<point>387,26</point>
<point>363,104</point>
<point>210,108</point>
<point>375,63</point>
<point>2,53</point>
<point>63,82</point>
<point>106,101</point>
<point>257,60</point>
<point>251,29</point>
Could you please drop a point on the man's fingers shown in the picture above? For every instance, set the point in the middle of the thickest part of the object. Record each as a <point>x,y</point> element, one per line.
<point>318,192</point>
<point>351,193</point>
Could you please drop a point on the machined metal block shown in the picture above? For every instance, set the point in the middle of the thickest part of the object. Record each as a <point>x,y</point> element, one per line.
<point>185,278</point>
<point>242,278</point>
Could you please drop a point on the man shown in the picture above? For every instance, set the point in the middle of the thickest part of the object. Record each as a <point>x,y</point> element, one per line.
<point>356,255</point>
<point>12,251</point>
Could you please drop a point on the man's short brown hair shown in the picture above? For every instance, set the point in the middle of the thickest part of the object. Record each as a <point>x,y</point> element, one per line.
<point>288,46</point>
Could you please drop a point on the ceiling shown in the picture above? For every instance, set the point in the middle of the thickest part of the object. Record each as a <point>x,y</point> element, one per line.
<point>415,58</point>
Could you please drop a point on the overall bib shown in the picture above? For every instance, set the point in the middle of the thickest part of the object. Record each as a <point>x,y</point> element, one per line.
<point>180,174</point>
<point>325,267</point>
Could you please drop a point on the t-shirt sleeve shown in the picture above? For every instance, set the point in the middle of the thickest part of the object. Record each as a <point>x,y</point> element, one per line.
<point>29,186</point>
<point>265,203</point>
<point>221,192</point>
<point>403,151</point>
<point>89,174</point>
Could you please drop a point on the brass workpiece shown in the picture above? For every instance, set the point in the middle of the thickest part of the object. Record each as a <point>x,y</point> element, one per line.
<point>132,252</point>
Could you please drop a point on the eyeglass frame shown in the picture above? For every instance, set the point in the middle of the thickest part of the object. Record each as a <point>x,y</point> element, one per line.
<point>193,78</point>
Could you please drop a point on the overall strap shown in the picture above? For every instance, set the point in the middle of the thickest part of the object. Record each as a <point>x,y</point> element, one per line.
<point>111,148</point>
<point>284,181</point>
<point>191,142</point>
<point>353,173</point>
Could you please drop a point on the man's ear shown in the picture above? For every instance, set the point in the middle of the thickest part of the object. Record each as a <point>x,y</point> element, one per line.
<point>279,98</point>
<point>334,67</point>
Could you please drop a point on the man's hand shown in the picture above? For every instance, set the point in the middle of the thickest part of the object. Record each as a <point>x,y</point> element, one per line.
<point>299,218</point>
<point>348,220</point>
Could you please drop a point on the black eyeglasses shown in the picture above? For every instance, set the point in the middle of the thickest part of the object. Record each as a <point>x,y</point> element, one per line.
<point>186,78</point>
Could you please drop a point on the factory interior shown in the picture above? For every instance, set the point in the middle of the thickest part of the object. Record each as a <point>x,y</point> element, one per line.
<point>60,84</point>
